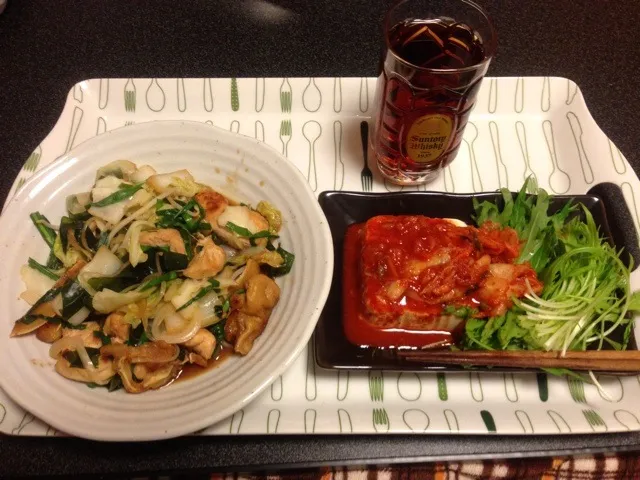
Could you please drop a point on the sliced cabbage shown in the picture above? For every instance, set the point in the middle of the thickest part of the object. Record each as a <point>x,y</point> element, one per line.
<point>36,284</point>
<point>77,204</point>
<point>68,259</point>
<point>180,181</point>
<point>104,187</point>
<point>142,174</point>
<point>103,264</point>
<point>187,290</point>
<point>172,289</point>
<point>107,301</point>
<point>56,304</point>
<point>79,317</point>
<point>268,257</point>
<point>117,168</point>
<point>205,311</point>
<point>259,254</point>
<point>132,242</point>
<point>272,214</point>
<point>139,198</point>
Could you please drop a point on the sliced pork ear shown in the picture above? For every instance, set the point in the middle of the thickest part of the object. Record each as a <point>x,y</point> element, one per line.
<point>151,376</point>
<point>154,364</point>
<point>21,328</point>
<point>102,374</point>
<point>152,352</point>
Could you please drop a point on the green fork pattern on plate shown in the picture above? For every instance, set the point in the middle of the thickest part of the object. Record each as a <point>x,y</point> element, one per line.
<point>34,159</point>
<point>576,389</point>
<point>285,136</point>
<point>235,97</point>
<point>376,386</point>
<point>286,96</point>
<point>594,419</point>
<point>380,420</point>
<point>130,96</point>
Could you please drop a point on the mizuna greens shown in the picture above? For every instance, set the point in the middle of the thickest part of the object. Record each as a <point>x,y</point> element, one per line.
<point>586,294</point>
<point>149,272</point>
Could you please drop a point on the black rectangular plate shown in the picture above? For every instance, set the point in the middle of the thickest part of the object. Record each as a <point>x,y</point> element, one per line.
<point>332,349</point>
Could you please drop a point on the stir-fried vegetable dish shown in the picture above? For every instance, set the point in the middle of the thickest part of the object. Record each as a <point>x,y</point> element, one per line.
<point>150,272</point>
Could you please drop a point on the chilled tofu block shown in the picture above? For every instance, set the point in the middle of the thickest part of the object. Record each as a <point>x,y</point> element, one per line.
<point>419,278</point>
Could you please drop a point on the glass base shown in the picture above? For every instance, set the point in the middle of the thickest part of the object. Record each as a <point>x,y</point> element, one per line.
<point>400,177</point>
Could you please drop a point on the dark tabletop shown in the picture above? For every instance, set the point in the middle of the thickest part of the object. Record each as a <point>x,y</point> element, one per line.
<point>46,47</point>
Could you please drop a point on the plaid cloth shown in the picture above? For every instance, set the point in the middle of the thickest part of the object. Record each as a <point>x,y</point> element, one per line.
<point>596,467</point>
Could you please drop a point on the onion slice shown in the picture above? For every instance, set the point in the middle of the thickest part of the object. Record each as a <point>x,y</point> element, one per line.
<point>167,314</point>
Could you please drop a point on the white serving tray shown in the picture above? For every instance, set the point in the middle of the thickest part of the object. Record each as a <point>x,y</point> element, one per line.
<point>520,126</point>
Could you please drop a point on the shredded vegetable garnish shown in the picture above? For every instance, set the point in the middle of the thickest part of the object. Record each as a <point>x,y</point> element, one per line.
<point>586,299</point>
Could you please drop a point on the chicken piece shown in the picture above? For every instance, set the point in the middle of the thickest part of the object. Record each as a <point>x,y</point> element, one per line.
<point>89,340</point>
<point>153,352</point>
<point>115,326</point>
<point>242,329</point>
<point>238,301</point>
<point>102,374</point>
<point>206,263</point>
<point>163,237</point>
<point>49,332</point>
<point>262,295</point>
<point>213,204</point>
<point>203,343</point>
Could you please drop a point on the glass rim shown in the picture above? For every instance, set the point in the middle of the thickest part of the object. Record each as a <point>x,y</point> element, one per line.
<point>490,45</point>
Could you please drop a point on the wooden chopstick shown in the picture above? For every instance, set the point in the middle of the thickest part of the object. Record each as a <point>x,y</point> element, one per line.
<point>601,360</point>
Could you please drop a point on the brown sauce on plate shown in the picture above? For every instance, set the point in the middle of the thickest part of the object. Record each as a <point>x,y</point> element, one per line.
<point>191,370</point>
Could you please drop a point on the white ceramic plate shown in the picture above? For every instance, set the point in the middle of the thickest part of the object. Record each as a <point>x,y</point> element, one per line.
<point>238,165</point>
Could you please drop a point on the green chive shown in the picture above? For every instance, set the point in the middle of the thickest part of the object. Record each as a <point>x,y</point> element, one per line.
<point>166,277</point>
<point>118,196</point>
<point>204,291</point>
<point>42,269</point>
<point>48,233</point>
